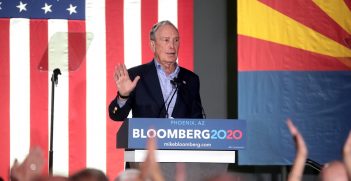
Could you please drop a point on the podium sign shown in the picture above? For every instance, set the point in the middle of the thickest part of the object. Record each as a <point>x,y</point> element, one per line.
<point>183,134</point>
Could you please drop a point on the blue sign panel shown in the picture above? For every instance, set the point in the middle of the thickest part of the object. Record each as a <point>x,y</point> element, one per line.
<point>188,134</point>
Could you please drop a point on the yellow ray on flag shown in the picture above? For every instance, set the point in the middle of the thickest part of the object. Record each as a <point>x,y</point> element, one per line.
<point>338,11</point>
<point>258,20</point>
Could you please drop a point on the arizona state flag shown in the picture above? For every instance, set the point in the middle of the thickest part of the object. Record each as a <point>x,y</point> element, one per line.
<point>294,61</point>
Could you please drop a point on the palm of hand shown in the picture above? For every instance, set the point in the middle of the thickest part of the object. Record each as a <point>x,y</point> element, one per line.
<point>124,84</point>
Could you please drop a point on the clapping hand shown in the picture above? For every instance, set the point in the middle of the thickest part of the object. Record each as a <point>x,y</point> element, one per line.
<point>301,153</point>
<point>347,154</point>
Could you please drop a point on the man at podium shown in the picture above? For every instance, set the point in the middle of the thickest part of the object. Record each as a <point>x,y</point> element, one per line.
<point>160,88</point>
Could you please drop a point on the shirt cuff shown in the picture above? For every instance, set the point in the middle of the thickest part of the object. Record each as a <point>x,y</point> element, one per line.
<point>121,102</point>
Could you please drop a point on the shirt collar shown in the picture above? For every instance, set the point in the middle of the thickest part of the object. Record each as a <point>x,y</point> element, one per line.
<point>172,75</point>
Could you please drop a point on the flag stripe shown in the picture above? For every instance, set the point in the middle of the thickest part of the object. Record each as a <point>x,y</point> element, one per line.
<point>306,12</point>
<point>39,87</point>
<point>114,55</point>
<point>96,86</point>
<point>271,56</point>
<point>19,80</point>
<point>337,10</point>
<point>348,4</point>
<point>186,23</point>
<point>132,33</point>
<point>5,97</point>
<point>167,10</point>
<point>149,18</point>
<point>58,58</point>
<point>77,95</point>
<point>280,29</point>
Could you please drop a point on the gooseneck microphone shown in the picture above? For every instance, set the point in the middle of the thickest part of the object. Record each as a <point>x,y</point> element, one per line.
<point>176,83</point>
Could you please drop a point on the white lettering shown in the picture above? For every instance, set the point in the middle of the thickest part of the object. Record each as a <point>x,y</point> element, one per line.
<point>151,133</point>
<point>161,133</point>
<point>182,134</point>
<point>197,134</point>
<point>189,134</point>
<point>172,133</point>
<point>136,133</point>
<point>206,134</point>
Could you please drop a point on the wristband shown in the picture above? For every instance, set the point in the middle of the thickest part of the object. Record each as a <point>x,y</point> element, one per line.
<point>121,96</point>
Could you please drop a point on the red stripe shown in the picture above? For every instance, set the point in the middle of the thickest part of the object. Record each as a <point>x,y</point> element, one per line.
<point>259,55</point>
<point>5,97</point>
<point>149,9</point>
<point>348,3</point>
<point>114,55</point>
<point>39,86</point>
<point>186,31</point>
<point>309,14</point>
<point>77,95</point>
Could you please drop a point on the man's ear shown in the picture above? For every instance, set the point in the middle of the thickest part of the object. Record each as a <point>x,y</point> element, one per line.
<point>152,45</point>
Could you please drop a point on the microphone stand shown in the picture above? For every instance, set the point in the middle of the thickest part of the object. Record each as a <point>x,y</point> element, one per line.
<point>54,81</point>
<point>169,103</point>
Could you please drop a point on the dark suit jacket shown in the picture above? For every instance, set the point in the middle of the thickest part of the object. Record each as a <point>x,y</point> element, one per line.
<point>146,99</point>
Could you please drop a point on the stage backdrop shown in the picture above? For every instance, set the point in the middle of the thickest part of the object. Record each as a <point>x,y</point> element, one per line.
<point>86,39</point>
<point>294,61</point>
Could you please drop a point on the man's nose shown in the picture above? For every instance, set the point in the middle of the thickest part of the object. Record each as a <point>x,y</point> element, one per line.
<point>172,44</point>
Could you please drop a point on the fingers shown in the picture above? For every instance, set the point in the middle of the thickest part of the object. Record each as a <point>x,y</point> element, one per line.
<point>120,71</point>
<point>291,127</point>
<point>180,172</point>
<point>347,146</point>
<point>301,153</point>
<point>135,81</point>
<point>298,139</point>
<point>125,72</point>
<point>123,82</point>
<point>116,73</point>
<point>347,154</point>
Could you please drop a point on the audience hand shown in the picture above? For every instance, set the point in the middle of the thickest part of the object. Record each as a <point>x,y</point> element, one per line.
<point>30,168</point>
<point>180,172</point>
<point>301,153</point>
<point>124,84</point>
<point>150,169</point>
<point>347,154</point>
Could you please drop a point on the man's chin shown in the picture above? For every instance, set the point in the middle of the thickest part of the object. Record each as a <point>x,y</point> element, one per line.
<point>171,60</point>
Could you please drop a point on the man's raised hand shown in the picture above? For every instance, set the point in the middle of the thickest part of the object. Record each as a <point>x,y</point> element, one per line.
<point>124,84</point>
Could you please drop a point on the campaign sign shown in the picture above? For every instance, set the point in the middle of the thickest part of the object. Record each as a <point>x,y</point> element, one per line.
<point>184,134</point>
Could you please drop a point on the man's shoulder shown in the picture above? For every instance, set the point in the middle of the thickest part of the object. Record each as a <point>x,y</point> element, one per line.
<point>187,73</point>
<point>140,68</point>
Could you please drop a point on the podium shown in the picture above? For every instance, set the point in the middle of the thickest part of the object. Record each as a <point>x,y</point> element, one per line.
<point>183,140</point>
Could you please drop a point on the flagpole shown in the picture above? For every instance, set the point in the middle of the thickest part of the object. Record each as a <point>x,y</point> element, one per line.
<point>54,81</point>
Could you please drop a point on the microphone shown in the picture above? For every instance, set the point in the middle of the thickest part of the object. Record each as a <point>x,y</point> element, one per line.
<point>175,83</point>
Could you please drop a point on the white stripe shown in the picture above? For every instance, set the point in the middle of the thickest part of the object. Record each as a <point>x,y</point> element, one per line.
<point>58,58</point>
<point>168,10</point>
<point>19,89</point>
<point>132,33</point>
<point>96,85</point>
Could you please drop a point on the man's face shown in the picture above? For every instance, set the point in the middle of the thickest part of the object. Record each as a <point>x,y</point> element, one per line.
<point>166,45</point>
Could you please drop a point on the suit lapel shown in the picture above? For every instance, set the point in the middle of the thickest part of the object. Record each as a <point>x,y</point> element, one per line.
<point>152,84</point>
<point>177,111</point>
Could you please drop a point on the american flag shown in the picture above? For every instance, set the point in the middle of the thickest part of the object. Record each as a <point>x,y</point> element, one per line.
<point>85,39</point>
